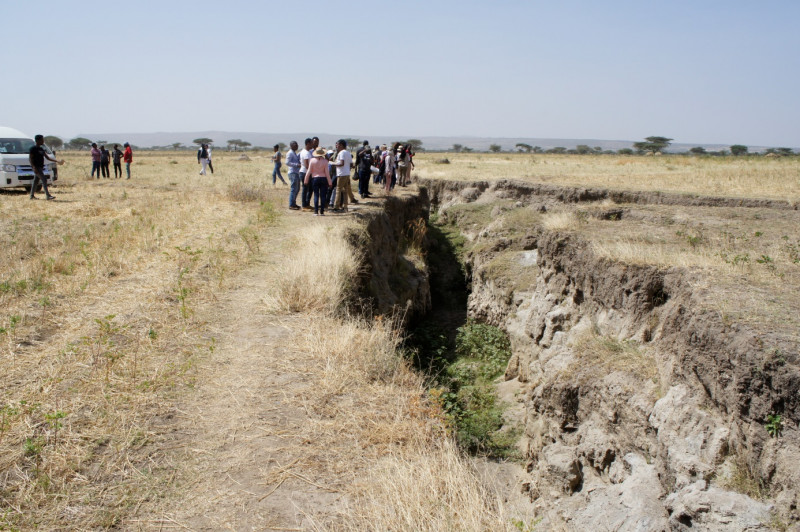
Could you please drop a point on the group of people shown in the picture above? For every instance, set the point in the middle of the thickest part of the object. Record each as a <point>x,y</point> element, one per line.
<point>325,174</point>
<point>101,158</point>
<point>313,172</point>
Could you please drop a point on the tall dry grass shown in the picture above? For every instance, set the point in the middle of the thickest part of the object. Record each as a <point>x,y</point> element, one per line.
<point>98,292</point>
<point>374,415</point>
<point>751,177</point>
<point>434,489</point>
<point>318,274</point>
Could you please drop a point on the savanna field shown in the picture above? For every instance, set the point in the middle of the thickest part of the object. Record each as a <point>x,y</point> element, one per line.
<point>130,309</point>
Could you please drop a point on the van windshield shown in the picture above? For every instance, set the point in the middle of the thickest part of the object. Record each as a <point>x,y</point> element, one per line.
<point>16,145</point>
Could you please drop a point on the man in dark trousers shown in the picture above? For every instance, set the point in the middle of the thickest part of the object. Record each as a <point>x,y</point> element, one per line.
<point>363,169</point>
<point>36,156</point>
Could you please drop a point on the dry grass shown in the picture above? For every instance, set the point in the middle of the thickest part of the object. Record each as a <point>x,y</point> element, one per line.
<point>735,475</point>
<point>560,221</point>
<point>597,355</point>
<point>318,274</point>
<point>435,490</point>
<point>756,177</point>
<point>106,296</point>
<point>373,413</point>
<point>98,292</point>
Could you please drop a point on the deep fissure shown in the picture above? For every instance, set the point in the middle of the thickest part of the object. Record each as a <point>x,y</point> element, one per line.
<point>618,365</point>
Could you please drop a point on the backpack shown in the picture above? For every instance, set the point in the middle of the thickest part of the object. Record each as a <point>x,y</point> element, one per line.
<point>203,153</point>
<point>382,166</point>
<point>366,160</point>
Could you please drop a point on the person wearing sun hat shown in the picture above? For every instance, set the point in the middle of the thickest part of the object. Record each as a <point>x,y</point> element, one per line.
<point>319,178</point>
<point>403,166</point>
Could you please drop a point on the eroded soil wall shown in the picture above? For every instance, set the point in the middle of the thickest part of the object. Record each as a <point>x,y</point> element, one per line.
<point>639,399</point>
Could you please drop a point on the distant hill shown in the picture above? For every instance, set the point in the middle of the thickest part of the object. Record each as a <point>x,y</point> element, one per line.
<point>147,140</point>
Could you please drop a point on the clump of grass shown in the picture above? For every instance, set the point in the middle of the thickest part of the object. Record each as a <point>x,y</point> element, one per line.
<point>431,491</point>
<point>598,355</point>
<point>561,221</point>
<point>736,476</point>
<point>247,192</point>
<point>319,274</point>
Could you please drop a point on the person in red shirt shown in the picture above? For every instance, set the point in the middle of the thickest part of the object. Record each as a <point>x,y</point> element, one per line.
<point>128,158</point>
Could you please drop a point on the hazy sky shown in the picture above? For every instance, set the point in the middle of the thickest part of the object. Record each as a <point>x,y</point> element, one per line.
<point>700,71</point>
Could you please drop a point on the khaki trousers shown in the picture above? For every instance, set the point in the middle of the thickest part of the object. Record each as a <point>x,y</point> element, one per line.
<point>343,192</point>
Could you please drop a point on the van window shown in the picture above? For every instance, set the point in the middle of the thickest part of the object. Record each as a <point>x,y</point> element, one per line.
<point>16,145</point>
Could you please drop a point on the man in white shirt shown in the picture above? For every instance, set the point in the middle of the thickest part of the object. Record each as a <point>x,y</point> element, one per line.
<point>305,156</point>
<point>343,162</point>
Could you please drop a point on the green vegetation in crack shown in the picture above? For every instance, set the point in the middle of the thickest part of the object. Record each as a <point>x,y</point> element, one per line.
<point>463,358</point>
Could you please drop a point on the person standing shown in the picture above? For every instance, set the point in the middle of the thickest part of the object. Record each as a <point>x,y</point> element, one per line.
<point>319,178</point>
<point>36,157</point>
<point>203,158</point>
<point>330,196</point>
<point>376,158</point>
<point>276,158</point>
<point>96,156</point>
<point>305,157</point>
<point>128,158</point>
<point>344,159</point>
<point>293,163</point>
<point>403,166</point>
<point>116,155</point>
<point>363,169</point>
<point>105,159</point>
<point>387,158</point>
<point>210,163</point>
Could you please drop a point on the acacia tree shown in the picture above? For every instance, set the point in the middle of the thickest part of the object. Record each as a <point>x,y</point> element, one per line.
<point>652,144</point>
<point>54,142</point>
<point>458,147</point>
<point>698,150</point>
<point>79,143</point>
<point>739,149</point>
<point>521,146</point>
<point>203,140</point>
<point>415,144</point>
<point>780,151</point>
<point>352,142</point>
<point>495,148</point>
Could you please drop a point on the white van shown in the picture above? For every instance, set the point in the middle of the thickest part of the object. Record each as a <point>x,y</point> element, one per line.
<point>15,167</point>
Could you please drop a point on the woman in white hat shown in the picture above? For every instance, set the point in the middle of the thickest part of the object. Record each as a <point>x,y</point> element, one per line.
<point>320,179</point>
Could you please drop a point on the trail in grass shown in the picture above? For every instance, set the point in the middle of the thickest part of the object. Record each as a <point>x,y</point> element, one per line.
<point>245,461</point>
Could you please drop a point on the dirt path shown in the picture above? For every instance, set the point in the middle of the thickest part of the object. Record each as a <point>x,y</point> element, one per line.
<point>242,443</point>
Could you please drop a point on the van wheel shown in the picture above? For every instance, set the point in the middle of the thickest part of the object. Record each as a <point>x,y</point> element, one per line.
<point>38,188</point>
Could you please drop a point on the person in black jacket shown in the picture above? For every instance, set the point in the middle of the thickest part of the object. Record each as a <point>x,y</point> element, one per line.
<point>364,163</point>
<point>36,156</point>
<point>116,155</point>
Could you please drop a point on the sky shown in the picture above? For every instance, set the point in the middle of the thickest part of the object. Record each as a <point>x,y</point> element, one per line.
<point>700,71</point>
